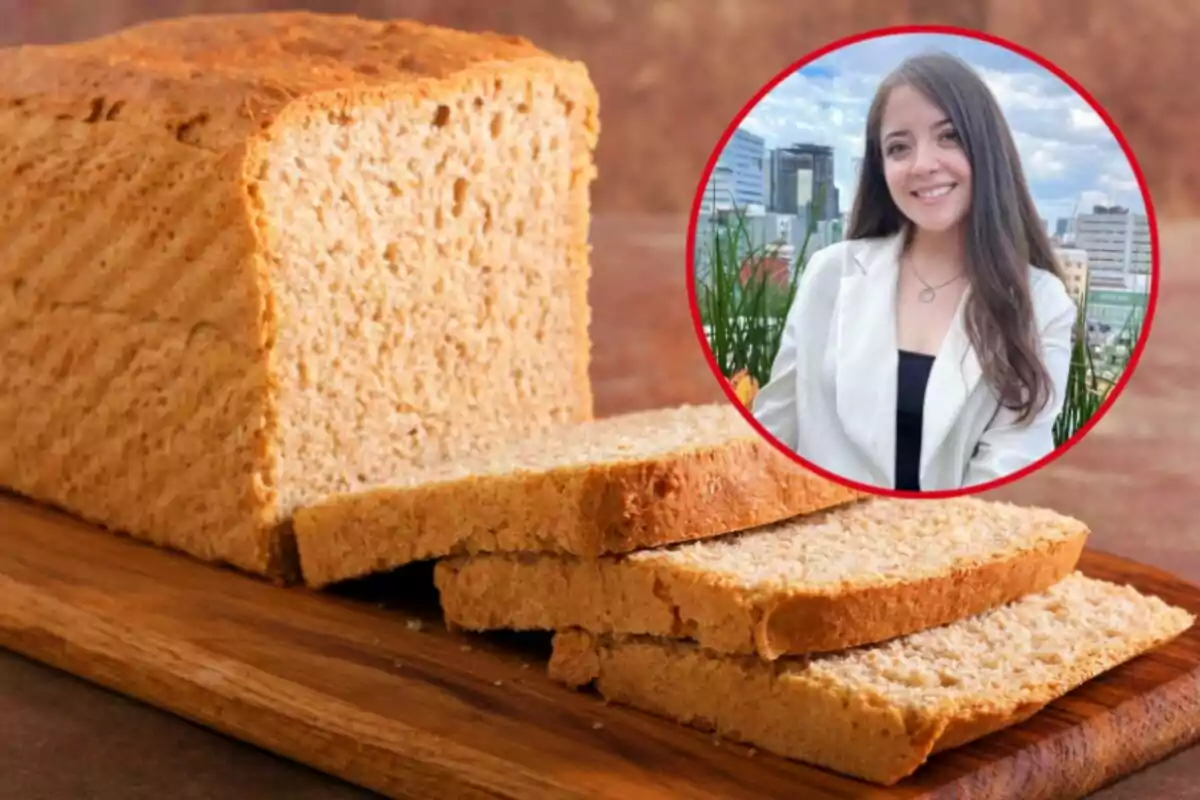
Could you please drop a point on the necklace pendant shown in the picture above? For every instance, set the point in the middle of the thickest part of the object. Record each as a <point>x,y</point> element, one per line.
<point>927,294</point>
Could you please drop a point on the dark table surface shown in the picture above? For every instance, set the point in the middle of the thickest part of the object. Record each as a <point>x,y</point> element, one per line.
<point>1133,479</point>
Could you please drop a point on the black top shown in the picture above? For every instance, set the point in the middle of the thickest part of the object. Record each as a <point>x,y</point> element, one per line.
<point>910,404</point>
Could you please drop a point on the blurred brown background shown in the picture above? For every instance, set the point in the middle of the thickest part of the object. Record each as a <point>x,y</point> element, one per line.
<point>673,73</point>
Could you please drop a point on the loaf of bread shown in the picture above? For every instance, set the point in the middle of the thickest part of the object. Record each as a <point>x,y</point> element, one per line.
<point>855,575</point>
<point>608,486</point>
<point>879,712</point>
<point>250,261</point>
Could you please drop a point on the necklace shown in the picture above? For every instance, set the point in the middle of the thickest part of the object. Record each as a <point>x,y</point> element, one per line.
<point>927,294</point>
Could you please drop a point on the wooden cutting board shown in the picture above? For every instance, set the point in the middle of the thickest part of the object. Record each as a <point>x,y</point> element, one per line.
<point>368,685</point>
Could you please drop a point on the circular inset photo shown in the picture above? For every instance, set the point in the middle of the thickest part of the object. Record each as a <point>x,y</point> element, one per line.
<point>923,261</point>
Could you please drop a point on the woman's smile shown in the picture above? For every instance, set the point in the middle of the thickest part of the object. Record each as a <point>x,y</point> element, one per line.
<point>933,194</point>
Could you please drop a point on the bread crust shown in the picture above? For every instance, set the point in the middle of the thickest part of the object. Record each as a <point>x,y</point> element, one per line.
<point>614,595</point>
<point>615,507</point>
<point>216,81</point>
<point>196,102</point>
<point>787,710</point>
<point>824,623</point>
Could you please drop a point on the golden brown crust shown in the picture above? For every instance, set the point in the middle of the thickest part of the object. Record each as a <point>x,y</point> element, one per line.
<point>967,728</point>
<point>614,595</point>
<point>700,494</point>
<point>175,115</point>
<point>608,508</point>
<point>212,81</point>
<point>741,699</point>
<point>132,342</point>
<point>882,731</point>
<point>828,622</point>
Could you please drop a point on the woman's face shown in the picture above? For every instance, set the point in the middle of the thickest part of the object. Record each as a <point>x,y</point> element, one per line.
<point>924,163</point>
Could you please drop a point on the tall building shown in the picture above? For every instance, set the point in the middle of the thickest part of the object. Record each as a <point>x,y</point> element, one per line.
<point>800,174</point>
<point>767,180</point>
<point>741,164</point>
<point>1074,263</point>
<point>1117,242</point>
<point>781,171</point>
<point>720,193</point>
<point>1062,227</point>
<point>856,165</point>
<point>1111,259</point>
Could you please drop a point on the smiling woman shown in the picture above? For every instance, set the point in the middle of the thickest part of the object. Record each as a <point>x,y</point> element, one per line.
<point>929,350</point>
<point>937,339</point>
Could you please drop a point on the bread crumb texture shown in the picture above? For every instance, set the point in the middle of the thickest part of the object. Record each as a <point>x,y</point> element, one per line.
<point>853,575</point>
<point>879,541</point>
<point>252,260</point>
<point>618,440</point>
<point>878,712</point>
<point>606,486</point>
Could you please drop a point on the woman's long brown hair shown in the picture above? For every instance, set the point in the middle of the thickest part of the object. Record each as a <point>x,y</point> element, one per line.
<point>1003,231</point>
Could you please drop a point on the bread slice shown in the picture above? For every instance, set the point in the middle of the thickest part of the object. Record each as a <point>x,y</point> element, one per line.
<point>249,261</point>
<point>858,574</point>
<point>609,486</point>
<point>879,712</point>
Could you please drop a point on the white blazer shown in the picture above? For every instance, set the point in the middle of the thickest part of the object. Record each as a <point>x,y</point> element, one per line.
<point>832,394</point>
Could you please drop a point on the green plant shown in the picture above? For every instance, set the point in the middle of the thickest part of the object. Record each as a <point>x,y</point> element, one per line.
<point>1083,395</point>
<point>742,305</point>
<point>1087,386</point>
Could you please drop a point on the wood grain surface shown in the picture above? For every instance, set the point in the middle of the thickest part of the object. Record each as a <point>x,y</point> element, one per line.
<point>369,685</point>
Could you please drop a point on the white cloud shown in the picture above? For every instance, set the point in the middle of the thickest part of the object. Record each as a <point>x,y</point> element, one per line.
<point>1020,92</point>
<point>1066,149</point>
<point>1043,166</point>
<point>1086,119</point>
<point>1118,184</point>
<point>1091,197</point>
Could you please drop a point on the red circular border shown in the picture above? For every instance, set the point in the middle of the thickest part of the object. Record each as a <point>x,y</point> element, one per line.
<point>1151,219</point>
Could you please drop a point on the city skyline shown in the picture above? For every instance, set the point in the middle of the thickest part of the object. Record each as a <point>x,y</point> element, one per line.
<point>1071,159</point>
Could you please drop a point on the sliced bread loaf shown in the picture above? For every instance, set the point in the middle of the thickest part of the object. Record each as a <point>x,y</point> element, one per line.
<point>608,486</point>
<point>858,574</point>
<point>879,712</point>
<point>249,261</point>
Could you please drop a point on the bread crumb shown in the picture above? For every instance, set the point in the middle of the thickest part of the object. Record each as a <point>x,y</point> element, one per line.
<point>499,683</point>
<point>524,665</point>
<point>415,625</point>
<point>466,648</point>
<point>846,551</point>
<point>597,726</point>
<point>901,677</point>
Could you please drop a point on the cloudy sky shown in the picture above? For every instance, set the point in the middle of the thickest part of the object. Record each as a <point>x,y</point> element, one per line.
<point>1067,150</point>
